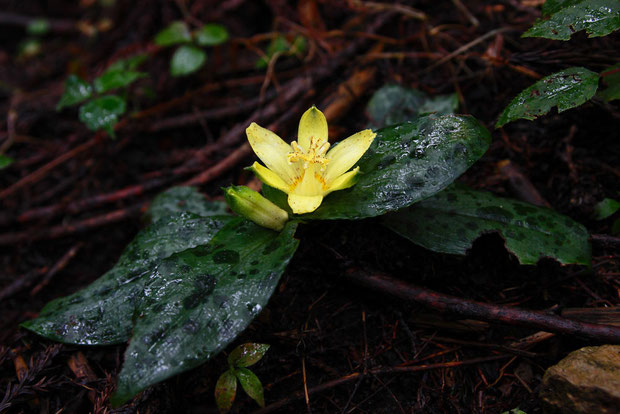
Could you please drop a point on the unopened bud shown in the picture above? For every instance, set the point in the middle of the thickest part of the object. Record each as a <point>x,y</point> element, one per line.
<point>253,206</point>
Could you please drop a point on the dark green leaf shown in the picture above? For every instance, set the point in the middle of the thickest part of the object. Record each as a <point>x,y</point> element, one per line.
<point>183,199</point>
<point>225,391</point>
<point>102,113</point>
<point>101,314</point>
<point>5,161</point>
<point>187,59</point>
<point>38,27</point>
<point>606,208</point>
<point>117,78</point>
<point>611,79</point>
<point>177,32</point>
<point>566,89</point>
<point>211,34</point>
<point>405,164</point>
<point>76,91</point>
<point>280,44</point>
<point>451,220</point>
<point>197,301</point>
<point>130,63</point>
<point>251,385</point>
<point>596,17</point>
<point>247,355</point>
<point>393,104</point>
<point>550,7</point>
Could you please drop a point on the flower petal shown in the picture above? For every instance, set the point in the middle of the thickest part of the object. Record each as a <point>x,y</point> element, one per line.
<point>272,150</point>
<point>269,177</point>
<point>344,155</point>
<point>312,124</point>
<point>346,180</point>
<point>304,204</point>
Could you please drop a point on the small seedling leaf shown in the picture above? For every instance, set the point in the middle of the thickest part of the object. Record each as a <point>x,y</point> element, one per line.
<point>116,78</point>
<point>76,91</point>
<point>247,355</point>
<point>102,113</point>
<point>451,220</point>
<point>187,59</point>
<point>251,385</point>
<point>606,208</point>
<point>5,161</point>
<point>176,33</point>
<point>211,34</point>
<point>225,391</point>
<point>565,89</point>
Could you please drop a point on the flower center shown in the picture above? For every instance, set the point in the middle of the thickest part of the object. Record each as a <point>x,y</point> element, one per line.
<point>314,155</point>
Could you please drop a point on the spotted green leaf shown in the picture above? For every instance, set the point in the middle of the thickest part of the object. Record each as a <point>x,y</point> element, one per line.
<point>5,161</point>
<point>405,164</point>
<point>102,313</point>
<point>251,385</point>
<point>102,113</point>
<point>247,355</point>
<point>393,104</point>
<point>187,59</point>
<point>76,91</point>
<point>211,34</point>
<point>565,89</point>
<point>183,199</point>
<point>197,301</point>
<point>563,18</point>
<point>451,220</point>
<point>176,32</point>
<point>225,391</point>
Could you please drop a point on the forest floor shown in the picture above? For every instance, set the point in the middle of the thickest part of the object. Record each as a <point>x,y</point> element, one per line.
<point>73,199</point>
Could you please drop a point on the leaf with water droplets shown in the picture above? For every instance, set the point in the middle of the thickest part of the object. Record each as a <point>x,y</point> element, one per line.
<point>405,164</point>
<point>565,89</point>
<point>247,355</point>
<point>187,59</point>
<point>451,220</point>
<point>197,301</point>
<point>225,391</point>
<point>179,199</point>
<point>76,91</point>
<point>564,18</point>
<point>101,314</point>
<point>176,32</point>
<point>251,385</point>
<point>102,113</point>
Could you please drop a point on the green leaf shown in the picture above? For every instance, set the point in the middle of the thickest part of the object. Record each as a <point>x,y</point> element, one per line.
<point>38,27</point>
<point>247,355</point>
<point>611,79</point>
<point>76,91</point>
<point>225,391</point>
<point>606,208</point>
<point>566,89</point>
<point>183,199</point>
<point>450,221</point>
<point>102,113</point>
<point>197,301</point>
<point>177,32</point>
<point>405,163</point>
<point>187,59</point>
<point>5,161</point>
<point>280,44</point>
<point>596,17</point>
<point>130,63</point>
<point>102,313</point>
<point>393,104</point>
<point>116,78</point>
<point>211,34</point>
<point>251,385</point>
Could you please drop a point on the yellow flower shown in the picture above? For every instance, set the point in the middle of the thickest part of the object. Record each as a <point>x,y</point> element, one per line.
<point>305,170</point>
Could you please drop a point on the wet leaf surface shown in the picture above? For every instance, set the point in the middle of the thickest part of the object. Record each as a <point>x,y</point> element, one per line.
<point>103,113</point>
<point>225,391</point>
<point>101,314</point>
<point>451,220</point>
<point>394,104</point>
<point>76,91</point>
<point>176,32</point>
<point>246,355</point>
<point>117,78</point>
<point>565,89</point>
<point>596,17</point>
<point>183,199</point>
<point>405,164</point>
<point>251,385</point>
<point>187,59</point>
<point>211,34</point>
<point>197,301</point>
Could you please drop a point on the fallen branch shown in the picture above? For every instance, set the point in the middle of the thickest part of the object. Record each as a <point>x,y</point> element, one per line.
<point>478,310</point>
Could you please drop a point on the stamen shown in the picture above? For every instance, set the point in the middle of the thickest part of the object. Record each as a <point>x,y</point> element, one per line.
<point>314,155</point>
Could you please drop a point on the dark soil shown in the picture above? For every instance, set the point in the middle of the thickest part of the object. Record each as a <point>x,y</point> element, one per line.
<point>320,327</point>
